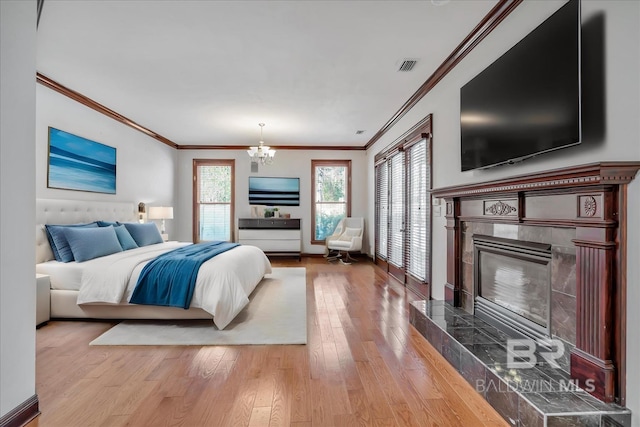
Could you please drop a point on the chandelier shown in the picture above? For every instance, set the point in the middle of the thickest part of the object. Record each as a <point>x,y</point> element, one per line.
<point>262,153</point>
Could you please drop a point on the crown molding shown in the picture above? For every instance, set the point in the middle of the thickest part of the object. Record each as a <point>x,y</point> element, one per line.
<point>488,23</point>
<point>275,147</point>
<point>85,100</point>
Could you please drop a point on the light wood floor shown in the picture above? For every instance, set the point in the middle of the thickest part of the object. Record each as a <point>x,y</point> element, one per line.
<point>363,365</point>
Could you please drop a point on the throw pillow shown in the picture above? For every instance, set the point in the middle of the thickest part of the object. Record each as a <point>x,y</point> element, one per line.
<point>349,234</point>
<point>58,241</point>
<point>144,234</point>
<point>124,237</point>
<point>107,223</point>
<point>90,243</point>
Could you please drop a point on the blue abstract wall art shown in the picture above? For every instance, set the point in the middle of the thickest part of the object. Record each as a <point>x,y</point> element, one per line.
<point>77,163</point>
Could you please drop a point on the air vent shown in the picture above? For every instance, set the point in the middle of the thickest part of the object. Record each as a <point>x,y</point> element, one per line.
<point>407,65</point>
<point>359,132</point>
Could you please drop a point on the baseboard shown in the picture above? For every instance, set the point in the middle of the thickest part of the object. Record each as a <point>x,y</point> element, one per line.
<point>21,414</point>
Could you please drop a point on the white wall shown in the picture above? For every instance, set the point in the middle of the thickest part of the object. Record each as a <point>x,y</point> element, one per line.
<point>145,167</point>
<point>17,211</point>
<point>621,140</point>
<point>290,163</point>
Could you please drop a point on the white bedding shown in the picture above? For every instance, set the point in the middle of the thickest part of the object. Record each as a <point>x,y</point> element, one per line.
<point>223,285</point>
<point>63,276</point>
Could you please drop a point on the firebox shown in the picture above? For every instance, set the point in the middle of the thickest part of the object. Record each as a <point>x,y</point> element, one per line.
<point>513,285</point>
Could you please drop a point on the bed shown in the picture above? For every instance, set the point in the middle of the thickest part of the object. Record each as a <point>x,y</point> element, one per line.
<point>223,283</point>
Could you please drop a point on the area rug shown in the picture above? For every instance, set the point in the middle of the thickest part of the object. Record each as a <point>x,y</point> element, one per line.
<point>276,314</point>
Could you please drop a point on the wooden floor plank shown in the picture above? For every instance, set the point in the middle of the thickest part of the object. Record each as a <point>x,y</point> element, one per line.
<point>363,365</point>
<point>282,398</point>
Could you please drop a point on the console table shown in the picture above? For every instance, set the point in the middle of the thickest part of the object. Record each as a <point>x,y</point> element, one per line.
<point>275,236</point>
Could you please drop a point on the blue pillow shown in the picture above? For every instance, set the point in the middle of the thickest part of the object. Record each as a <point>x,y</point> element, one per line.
<point>90,243</point>
<point>58,241</point>
<point>107,223</point>
<point>144,234</point>
<point>124,237</point>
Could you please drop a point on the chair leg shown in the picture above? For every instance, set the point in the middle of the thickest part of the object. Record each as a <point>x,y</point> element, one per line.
<point>334,257</point>
<point>348,259</point>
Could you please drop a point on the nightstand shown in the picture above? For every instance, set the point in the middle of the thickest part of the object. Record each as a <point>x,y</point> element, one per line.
<point>43,302</point>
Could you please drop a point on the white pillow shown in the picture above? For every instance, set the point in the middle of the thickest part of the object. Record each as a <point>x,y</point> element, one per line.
<point>352,232</point>
<point>349,234</point>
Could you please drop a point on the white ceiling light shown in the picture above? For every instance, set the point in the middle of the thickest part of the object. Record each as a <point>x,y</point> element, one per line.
<point>262,153</point>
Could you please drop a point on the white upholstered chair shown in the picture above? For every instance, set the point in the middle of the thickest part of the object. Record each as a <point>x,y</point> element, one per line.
<point>347,237</point>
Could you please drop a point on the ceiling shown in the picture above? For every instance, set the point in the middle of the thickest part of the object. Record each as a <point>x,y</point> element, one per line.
<point>207,72</point>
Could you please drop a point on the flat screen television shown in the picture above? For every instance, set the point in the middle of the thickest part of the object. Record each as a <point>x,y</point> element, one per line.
<point>527,102</point>
<point>270,191</point>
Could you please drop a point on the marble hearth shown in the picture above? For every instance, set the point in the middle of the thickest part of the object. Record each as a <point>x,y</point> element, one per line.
<point>538,396</point>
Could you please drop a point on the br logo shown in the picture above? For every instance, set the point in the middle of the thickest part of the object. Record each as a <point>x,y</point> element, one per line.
<point>524,353</point>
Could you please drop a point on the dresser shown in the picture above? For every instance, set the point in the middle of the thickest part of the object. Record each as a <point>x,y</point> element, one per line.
<point>275,236</point>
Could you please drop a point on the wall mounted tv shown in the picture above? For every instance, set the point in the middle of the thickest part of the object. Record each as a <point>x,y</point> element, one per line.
<point>527,102</point>
<point>272,191</point>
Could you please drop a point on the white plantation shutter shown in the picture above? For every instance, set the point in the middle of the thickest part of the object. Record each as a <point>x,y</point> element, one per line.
<point>396,203</point>
<point>418,211</point>
<point>382,209</point>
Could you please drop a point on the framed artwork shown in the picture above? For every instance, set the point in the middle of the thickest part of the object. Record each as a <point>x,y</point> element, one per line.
<point>77,163</point>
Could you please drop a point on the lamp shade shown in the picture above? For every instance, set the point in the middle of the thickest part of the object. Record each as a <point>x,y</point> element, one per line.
<point>161,212</point>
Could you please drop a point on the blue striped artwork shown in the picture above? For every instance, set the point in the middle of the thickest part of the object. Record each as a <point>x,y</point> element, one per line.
<point>76,163</point>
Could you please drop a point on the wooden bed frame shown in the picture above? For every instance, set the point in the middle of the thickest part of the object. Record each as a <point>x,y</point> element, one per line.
<point>63,302</point>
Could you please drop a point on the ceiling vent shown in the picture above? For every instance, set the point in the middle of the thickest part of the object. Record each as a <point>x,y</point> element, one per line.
<point>407,65</point>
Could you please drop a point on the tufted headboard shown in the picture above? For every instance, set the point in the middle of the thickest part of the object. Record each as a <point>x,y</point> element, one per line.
<point>57,211</point>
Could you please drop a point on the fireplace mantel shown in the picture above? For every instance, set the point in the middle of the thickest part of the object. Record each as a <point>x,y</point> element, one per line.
<point>590,198</point>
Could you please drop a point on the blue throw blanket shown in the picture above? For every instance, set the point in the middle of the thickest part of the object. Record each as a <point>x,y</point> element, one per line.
<point>170,279</point>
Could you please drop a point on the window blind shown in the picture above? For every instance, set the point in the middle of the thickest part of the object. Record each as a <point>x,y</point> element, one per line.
<point>213,203</point>
<point>403,207</point>
<point>418,211</point>
<point>396,203</point>
<point>331,188</point>
<point>382,209</point>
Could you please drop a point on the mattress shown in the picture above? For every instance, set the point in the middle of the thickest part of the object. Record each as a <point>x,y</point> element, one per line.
<point>63,276</point>
<point>68,275</point>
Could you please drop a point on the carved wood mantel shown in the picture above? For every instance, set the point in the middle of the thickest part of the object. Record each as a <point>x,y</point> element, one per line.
<point>592,199</point>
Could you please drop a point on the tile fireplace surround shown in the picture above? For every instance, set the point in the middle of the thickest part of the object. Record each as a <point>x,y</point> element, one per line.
<point>580,212</point>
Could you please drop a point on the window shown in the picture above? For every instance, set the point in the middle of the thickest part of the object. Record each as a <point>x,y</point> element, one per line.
<point>331,181</point>
<point>403,208</point>
<point>213,200</point>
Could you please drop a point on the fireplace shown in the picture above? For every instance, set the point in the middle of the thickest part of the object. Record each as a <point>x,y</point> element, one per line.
<point>587,201</point>
<point>513,284</point>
